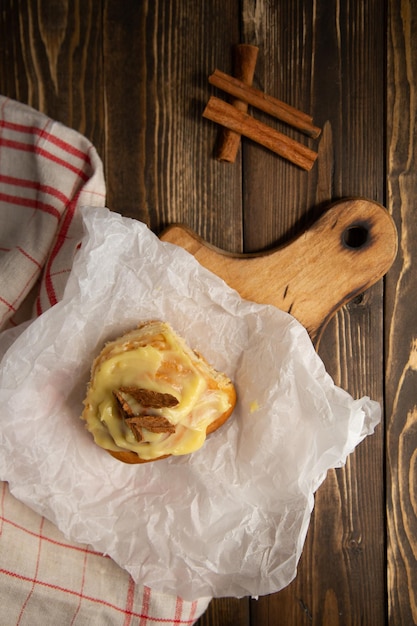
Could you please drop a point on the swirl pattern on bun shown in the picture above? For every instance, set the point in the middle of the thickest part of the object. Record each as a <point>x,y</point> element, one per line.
<point>150,396</point>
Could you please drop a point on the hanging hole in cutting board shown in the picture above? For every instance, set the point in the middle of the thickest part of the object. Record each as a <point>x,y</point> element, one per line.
<point>356,236</point>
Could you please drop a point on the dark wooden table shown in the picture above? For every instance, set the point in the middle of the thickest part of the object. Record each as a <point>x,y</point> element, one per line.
<point>132,77</point>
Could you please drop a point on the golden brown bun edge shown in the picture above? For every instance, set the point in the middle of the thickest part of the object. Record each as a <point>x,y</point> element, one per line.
<point>126,456</point>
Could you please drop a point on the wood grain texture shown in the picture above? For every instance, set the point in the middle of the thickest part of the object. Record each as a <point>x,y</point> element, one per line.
<point>320,57</point>
<point>401,317</point>
<point>52,60</point>
<point>357,236</point>
<point>170,175</point>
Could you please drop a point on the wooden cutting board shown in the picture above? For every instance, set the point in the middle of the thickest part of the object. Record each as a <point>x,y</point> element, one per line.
<point>346,251</point>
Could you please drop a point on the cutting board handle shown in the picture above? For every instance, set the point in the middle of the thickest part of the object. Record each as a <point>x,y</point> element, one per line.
<point>347,250</point>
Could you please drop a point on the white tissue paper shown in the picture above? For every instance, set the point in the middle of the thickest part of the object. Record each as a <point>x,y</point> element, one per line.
<point>227,520</point>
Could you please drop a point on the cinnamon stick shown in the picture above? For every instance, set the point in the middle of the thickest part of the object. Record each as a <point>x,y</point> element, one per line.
<point>284,112</point>
<point>227,115</point>
<point>244,62</point>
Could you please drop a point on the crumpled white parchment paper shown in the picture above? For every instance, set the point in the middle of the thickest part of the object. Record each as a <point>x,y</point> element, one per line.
<point>228,520</point>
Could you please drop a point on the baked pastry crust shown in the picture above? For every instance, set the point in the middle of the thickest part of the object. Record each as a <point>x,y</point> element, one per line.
<point>150,396</point>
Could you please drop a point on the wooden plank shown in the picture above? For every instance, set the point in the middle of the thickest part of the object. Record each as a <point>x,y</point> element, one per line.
<point>277,194</point>
<point>226,612</point>
<point>159,87</point>
<point>401,316</point>
<point>55,51</point>
<point>327,62</point>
